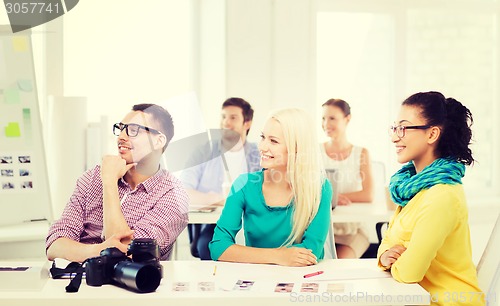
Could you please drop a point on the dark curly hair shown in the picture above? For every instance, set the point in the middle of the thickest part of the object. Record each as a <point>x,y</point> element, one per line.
<point>452,117</point>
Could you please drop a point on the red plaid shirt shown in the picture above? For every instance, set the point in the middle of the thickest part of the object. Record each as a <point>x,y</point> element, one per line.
<point>157,208</point>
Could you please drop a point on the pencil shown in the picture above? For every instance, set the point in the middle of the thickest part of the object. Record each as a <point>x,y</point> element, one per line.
<point>215,270</point>
<point>313,274</point>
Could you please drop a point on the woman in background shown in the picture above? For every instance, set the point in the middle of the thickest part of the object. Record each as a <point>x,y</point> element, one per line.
<point>428,240</point>
<point>285,207</point>
<point>354,176</point>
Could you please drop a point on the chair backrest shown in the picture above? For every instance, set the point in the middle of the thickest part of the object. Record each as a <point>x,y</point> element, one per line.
<point>240,236</point>
<point>330,250</point>
<point>332,176</point>
<point>488,268</point>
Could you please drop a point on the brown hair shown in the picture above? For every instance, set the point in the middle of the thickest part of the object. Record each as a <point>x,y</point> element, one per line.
<point>343,105</point>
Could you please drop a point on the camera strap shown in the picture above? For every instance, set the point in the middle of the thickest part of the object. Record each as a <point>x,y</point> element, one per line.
<point>75,271</point>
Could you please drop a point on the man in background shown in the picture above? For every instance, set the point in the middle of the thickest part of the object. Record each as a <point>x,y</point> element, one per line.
<point>221,161</point>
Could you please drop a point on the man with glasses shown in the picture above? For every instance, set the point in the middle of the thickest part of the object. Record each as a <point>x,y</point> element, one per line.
<point>128,196</point>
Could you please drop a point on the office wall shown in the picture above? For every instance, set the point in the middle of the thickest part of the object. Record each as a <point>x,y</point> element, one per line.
<point>114,54</point>
<point>262,50</point>
<point>122,52</point>
<point>271,60</point>
<point>268,58</point>
<point>4,19</point>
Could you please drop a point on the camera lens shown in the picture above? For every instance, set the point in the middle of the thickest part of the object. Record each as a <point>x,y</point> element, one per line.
<point>144,250</point>
<point>140,277</point>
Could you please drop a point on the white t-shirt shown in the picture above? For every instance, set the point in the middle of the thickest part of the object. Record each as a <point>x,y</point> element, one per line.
<point>348,180</point>
<point>237,164</point>
<point>348,170</point>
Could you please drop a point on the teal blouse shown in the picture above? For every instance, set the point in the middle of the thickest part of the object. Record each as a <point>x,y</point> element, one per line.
<point>266,226</point>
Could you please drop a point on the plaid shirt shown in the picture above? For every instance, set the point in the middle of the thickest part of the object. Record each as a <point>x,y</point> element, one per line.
<point>157,208</point>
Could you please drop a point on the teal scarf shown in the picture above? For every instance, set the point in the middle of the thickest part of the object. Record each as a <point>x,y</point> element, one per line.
<point>406,183</point>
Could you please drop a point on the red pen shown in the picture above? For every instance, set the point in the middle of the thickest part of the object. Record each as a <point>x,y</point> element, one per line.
<point>313,274</point>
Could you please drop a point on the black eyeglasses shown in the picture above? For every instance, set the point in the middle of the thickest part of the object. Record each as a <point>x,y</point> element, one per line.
<point>132,129</point>
<point>400,130</point>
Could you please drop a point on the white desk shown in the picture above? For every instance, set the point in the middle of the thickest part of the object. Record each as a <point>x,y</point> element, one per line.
<point>373,291</point>
<point>205,217</point>
<point>355,212</point>
<point>25,240</point>
<point>361,212</point>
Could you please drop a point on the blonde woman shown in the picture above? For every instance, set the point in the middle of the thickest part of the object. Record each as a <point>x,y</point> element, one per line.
<point>285,207</point>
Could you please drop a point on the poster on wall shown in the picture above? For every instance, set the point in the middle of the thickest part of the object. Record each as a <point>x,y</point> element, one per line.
<point>24,189</point>
<point>16,103</point>
<point>16,172</point>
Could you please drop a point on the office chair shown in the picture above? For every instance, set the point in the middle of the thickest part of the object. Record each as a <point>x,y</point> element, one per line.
<point>378,170</point>
<point>330,251</point>
<point>488,268</point>
<point>194,234</point>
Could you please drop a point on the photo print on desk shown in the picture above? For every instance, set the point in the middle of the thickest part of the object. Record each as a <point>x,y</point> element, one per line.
<point>206,286</point>
<point>309,287</point>
<point>284,287</point>
<point>243,285</point>
<point>180,286</point>
<point>336,288</point>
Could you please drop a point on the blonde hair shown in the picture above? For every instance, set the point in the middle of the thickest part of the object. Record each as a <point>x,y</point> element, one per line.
<point>305,170</point>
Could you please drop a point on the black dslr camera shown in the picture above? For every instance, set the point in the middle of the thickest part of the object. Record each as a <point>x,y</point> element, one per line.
<point>142,273</point>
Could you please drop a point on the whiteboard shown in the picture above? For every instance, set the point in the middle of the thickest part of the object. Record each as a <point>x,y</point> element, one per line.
<point>24,187</point>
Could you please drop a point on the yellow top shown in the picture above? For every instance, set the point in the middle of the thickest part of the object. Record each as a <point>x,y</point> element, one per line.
<point>434,228</point>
